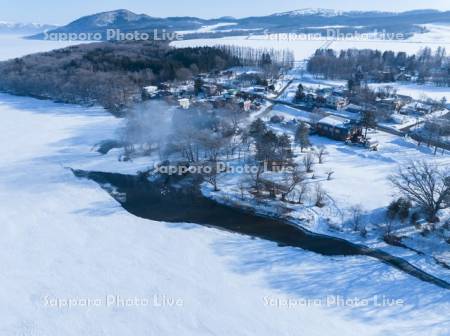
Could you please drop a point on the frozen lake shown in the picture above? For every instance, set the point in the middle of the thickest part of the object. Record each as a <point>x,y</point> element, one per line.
<point>16,46</point>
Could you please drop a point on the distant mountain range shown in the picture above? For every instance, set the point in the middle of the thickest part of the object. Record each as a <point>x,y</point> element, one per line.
<point>298,21</point>
<point>23,28</point>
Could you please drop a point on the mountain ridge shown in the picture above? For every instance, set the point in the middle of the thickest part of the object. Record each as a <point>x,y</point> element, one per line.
<point>297,21</point>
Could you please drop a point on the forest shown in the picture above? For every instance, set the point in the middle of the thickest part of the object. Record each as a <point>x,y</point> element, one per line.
<point>112,74</point>
<point>388,66</point>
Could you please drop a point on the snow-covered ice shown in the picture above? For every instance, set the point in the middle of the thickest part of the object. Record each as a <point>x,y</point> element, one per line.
<point>16,46</point>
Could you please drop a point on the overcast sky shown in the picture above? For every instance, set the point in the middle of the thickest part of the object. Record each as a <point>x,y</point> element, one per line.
<point>62,12</point>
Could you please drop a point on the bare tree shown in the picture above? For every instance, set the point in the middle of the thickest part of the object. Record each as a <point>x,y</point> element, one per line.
<point>256,176</point>
<point>211,173</point>
<point>302,191</point>
<point>320,153</point>
<point>293,177</point>
<point>329,174</point>
<point>390,226</point>
<point>320,196</point>
<point>242,189</point>
<point>308,162</point>
<point>424,184</point>
<point>356,216</point>
<point>368,120</point>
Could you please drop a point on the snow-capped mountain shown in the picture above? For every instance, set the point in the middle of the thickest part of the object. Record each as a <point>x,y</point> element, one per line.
<point>297,21</point>
<point>23,28</point>
<point>126,20</point>
<point>117,17</point>
<point>310,11</point>
<point>107,18</point>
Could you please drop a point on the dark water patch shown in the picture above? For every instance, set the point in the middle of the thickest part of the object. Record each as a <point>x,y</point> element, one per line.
<point>178,200</point>
<point>105,146</point>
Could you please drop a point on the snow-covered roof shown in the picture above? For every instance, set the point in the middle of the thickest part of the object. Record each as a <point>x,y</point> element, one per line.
<point>151,89</point>
<point>353,107</point>
<point>424,106</point>
<point>334,121</point>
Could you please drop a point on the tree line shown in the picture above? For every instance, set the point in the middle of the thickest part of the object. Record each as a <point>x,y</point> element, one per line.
<point>388,66</point>
<point>271,60</point>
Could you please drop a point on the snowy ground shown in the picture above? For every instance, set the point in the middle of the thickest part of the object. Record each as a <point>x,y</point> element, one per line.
<point>64,238</point>
<point>438,35</point>
<point>360,178</point>
<point>417,91</point>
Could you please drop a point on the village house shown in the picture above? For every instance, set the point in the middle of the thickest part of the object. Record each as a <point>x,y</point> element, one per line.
<point>336,102</point>
<point>310,97</point>
<point>403,77</point>
<point>386,104</point>
<point>150,92</point>
<point>336,128</point>
<point>424,108</point>
<point>408,109</point>
<point>209,89</point>
<point>259,89</point>
<point>353,108</point>
<point>151,89</point>
<point>403,99</point>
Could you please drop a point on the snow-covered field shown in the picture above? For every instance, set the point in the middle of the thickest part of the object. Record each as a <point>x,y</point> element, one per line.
<point>66,239</point>
<point>418,91</point>
<point>303,47</point>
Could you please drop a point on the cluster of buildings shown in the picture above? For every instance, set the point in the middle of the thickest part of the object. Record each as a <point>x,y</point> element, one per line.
<point>219,90</point>
<point>336,98</point>
<point>330,110</point>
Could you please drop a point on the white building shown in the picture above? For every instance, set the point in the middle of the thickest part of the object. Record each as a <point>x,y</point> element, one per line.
<point>184,103</point>
<point>337,102</point>
<point>151,89</point>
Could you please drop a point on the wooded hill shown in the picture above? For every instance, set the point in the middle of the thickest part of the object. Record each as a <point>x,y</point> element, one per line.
<point>111,74</point>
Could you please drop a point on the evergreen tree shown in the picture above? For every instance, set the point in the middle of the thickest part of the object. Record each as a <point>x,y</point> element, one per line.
<point>257,128</point>
<point>300,94</point>
<point>285,148</point>
<point>302,136</point>
<point>198,83</point>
